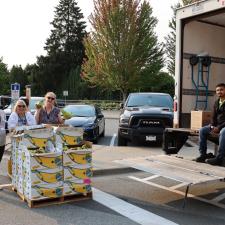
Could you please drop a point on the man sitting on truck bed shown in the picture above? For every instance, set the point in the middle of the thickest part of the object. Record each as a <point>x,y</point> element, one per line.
<point>216,128</point>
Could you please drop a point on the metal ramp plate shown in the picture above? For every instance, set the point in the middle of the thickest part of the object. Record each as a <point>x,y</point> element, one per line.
<point>183,170</point>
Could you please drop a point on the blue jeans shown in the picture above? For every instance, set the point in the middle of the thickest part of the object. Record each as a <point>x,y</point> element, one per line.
<point>203,133</point>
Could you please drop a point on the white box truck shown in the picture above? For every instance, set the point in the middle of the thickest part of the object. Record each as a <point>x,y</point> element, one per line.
<point>199,65</point>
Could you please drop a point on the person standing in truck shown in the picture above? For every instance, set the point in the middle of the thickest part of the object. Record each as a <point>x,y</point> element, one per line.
<point>216,128</point>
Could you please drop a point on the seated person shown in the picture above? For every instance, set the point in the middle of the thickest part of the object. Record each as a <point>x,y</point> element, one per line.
<point>216,128</point>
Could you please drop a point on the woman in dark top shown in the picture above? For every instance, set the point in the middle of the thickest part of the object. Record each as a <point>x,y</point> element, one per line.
<point>49,113</point>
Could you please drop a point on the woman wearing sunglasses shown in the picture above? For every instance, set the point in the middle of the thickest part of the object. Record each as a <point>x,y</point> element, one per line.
<point>20,116</point>
<point>49,113</point>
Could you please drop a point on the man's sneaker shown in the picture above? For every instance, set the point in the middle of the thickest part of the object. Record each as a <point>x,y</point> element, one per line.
<point>201,158</point>
<point>215,162</point>
<point>210,155</point>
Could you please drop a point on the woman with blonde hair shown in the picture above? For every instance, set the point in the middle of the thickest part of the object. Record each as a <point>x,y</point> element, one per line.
<point>20,116</point>
<point>49,113</point>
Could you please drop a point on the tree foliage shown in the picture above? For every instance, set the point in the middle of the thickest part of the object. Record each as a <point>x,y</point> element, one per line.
<point>4,78</point>
<point>171,38</point>
<point>65,49</point>
<point>122,45</point>
<point>18,75</point>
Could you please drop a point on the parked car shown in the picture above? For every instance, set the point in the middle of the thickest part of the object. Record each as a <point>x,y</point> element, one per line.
<point>89,117</point>
<point>144,117</point>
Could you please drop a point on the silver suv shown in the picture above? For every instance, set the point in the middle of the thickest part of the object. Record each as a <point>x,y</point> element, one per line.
<point>144,117</point>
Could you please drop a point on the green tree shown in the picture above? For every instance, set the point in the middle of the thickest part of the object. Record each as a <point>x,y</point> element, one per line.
<point>171,38</point>
<point>4,78</point>
<point>65,49</point>
<point>122,45</point>
<point>18,75</point>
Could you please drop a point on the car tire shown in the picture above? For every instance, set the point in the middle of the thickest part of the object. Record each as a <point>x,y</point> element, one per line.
<point>95,141</point>
<point>121,141</point>
<point>103,133</point>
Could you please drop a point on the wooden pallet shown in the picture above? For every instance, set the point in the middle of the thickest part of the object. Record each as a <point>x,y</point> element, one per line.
<point>54,201</point>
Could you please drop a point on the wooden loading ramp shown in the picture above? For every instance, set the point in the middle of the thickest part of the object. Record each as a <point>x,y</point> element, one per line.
<point>182,170</point>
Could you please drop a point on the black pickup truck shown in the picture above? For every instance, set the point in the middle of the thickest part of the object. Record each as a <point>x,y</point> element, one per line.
<point>144,117</point>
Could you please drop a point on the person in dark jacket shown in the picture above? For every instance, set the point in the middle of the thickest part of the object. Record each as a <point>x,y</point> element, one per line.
<point>216,128</point>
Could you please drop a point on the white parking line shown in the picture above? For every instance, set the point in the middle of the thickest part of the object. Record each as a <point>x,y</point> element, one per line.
<point>219,198</point>
<point>128,210</point>
<point>113,140</point>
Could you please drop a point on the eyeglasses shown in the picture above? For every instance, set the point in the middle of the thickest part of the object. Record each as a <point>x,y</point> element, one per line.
<point>50,98</point>
<point>21,106</point>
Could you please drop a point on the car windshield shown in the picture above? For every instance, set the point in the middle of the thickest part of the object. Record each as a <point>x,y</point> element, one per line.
<point>150,100</point>
<point>33,102</point>
<point>80,110</point>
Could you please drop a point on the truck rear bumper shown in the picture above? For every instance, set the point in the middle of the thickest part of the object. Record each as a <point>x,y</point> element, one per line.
<point>141,134</point>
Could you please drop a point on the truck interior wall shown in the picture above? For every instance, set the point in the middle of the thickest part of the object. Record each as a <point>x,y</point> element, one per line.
<point>207,39</point>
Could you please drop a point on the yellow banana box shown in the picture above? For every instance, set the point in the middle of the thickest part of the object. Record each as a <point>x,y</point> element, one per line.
<point>40,138</point>
<point>71,188</point>
<point>68,136</point>
<point>37,192</point>
<point>77,158</point>
<point>71,173</point>
<point>39,161</point>
<point>40,177</point>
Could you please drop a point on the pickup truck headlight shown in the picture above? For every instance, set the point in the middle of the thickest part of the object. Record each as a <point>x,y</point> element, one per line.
<point>124,120</point>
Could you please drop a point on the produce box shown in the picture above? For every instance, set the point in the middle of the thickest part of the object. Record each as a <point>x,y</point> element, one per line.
<point>68,136</point>
<point>200,119</point>
<point>38,161</point>
<point>33,192</point>
<point>39,139</point>
<point>77,158</point>
<point>40,177</point>
<point>72,173</point>
<point>71,188</point>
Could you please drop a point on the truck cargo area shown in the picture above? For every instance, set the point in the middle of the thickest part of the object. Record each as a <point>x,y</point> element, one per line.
<point>200,57</point>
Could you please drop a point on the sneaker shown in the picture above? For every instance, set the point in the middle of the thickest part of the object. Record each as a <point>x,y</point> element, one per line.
<point>215,162</point>
<point>210,156</point>
<point>201,158</point>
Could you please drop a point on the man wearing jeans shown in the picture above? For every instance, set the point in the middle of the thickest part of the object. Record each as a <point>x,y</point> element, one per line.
<point>216,128</point>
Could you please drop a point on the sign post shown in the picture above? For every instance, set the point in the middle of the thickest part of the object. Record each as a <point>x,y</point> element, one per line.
<point>15,93</point>
<point>65,93</point>
<point>28,93</point>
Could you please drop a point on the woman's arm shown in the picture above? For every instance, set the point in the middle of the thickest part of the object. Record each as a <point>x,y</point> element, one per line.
<point>12,121</point>
<point>61,120</point>
<point>37,116</point>
<point>30,119</point>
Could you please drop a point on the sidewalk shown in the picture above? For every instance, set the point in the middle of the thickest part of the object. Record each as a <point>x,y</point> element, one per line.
<point>104,157</point>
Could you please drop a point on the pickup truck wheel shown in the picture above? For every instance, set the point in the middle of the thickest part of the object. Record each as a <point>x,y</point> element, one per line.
<point>121,141</point>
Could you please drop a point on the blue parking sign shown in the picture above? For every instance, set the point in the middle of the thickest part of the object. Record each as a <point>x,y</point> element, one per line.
<point>15,87</point>
<point>15,91</point>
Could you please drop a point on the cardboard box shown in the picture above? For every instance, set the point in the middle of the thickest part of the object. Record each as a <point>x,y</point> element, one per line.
<point>200,119</point>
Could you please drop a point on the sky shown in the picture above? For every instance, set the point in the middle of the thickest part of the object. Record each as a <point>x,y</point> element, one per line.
<point>25,26</point>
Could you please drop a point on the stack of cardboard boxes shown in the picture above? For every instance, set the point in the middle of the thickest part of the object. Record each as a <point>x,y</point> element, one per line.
<point>51,162</point>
